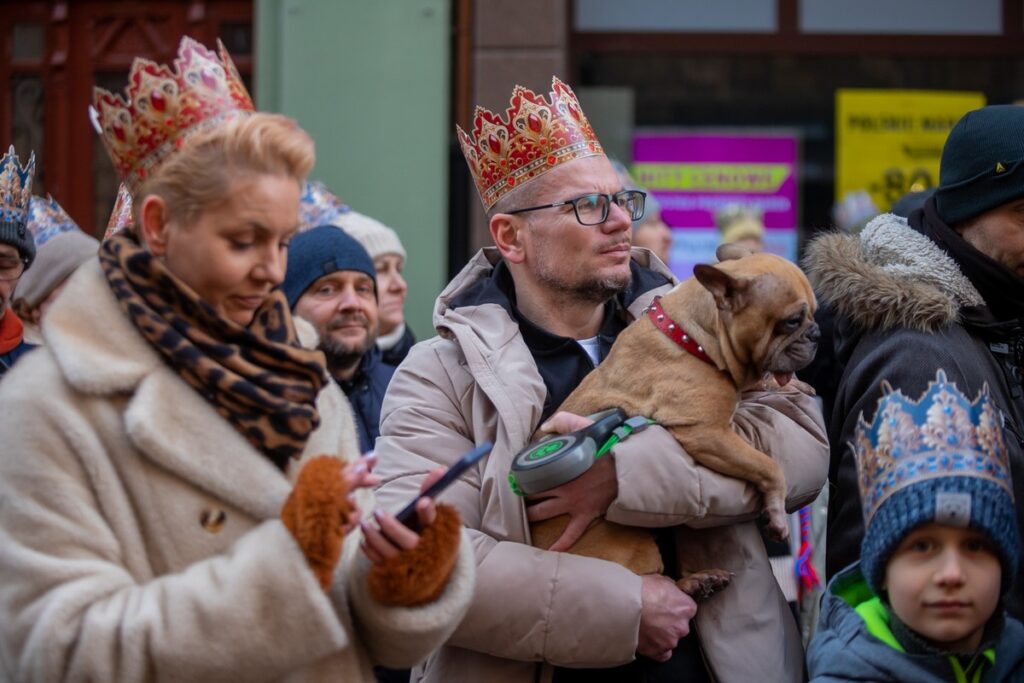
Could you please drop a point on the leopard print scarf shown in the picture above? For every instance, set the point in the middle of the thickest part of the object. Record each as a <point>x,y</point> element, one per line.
<point>258,378</point>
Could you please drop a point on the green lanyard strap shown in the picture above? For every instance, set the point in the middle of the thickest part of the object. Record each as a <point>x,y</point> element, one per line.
<point>630,426</point>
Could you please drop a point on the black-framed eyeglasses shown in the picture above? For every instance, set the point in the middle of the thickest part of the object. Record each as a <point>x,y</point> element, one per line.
<point>11,267</point>
<point>592,209</point>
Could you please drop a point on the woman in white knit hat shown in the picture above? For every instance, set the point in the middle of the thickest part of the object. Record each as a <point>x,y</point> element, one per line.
<point>60,248</point>
<point>395,338</point>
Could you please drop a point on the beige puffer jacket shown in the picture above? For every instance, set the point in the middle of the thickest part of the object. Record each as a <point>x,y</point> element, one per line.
<point>532,609</point>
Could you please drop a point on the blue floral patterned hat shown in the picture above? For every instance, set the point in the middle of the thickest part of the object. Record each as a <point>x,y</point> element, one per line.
<point>47,219</point>
<point>318,206</point>
<point>15,193</point>
<point>939,459</point>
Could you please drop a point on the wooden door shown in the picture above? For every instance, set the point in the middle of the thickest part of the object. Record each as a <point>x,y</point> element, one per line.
<point>54,53</point>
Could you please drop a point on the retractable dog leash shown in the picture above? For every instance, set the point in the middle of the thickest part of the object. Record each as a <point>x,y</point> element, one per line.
<point>560,458</point>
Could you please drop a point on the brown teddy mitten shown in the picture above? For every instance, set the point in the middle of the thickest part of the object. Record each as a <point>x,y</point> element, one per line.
<point>315,514</point>
<point>418,576</point>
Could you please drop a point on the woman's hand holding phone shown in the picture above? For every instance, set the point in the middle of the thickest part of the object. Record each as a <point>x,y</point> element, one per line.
<point>321,509</point>
<point>358,475</point>
<point>391,537</point>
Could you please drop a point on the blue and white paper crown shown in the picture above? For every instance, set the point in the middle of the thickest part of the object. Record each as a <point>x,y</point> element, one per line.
<point>318,206</point>
<point>943,434</point>
<point>47,219</point>
<point>15,188</point>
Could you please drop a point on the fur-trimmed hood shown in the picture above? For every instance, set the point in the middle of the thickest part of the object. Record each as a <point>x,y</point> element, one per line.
<point>889,276</point>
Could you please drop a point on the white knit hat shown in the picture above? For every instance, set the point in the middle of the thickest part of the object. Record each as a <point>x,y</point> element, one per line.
<point>56,259</point>
<point>377,238</point>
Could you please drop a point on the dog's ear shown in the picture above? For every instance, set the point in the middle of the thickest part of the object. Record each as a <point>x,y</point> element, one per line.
<point>729,292</point>
<point>730,251</point>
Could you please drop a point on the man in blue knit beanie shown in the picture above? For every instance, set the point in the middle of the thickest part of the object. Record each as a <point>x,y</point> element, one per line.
<point>331,282</point>
<point>925,602</point>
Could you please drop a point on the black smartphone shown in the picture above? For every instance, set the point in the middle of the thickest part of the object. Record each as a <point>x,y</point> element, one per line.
<point>408,514</point>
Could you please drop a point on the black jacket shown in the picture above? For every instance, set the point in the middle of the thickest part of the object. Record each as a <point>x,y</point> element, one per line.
<point>905,309</point>
<point>365,392</point>
<point>397,353</point>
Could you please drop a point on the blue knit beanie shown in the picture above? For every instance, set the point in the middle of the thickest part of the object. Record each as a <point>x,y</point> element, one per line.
<point>940,459</point>
<point>982,163</point>
<point>322,251</point>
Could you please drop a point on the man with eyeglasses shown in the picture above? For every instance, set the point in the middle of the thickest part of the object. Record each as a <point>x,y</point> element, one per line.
<point>519,328</point>
<point>17,249</point>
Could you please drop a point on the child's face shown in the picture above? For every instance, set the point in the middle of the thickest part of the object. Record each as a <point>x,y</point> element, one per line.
<point>943,582</point>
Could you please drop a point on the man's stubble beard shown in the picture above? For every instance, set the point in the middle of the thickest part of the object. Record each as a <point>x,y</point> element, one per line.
<point>591,290</point>
<point>341,355</point>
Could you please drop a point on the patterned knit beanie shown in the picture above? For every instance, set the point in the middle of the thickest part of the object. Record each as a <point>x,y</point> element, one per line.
<point>940,459</point>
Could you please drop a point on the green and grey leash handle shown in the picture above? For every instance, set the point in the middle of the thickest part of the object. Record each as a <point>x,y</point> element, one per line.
<point>560,458</point>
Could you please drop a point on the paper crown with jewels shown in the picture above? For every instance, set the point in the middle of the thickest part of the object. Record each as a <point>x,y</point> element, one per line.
<point>15,188</point>
<point>47,219</point>
<point>121,216</point>
<point>15,197</point>
<point>319,206</point>
<point>165,105</point>
<point>535,137</point>
<point>943,434</point>
<point>941,459</point>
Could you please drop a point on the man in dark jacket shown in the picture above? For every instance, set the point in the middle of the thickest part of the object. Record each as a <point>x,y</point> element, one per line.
<point>17,249</point>
<point>331,282</point>
<point>943,288</point>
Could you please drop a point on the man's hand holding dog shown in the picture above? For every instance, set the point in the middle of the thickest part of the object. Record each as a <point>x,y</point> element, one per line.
<point>585,498</point>
<point>666,611</point>
<point>664,617</point>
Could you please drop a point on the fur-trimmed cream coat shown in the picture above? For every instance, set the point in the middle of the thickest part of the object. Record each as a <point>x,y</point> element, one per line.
<point>139,532</point>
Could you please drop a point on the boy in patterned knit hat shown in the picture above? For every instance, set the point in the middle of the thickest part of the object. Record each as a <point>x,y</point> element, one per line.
<point>925,602</point>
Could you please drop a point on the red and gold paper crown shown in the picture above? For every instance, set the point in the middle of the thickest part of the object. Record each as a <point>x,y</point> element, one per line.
<point>536,137</point>
<point>165,105</point>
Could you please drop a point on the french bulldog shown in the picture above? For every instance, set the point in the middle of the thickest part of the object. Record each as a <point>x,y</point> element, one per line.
<point>751,317</point>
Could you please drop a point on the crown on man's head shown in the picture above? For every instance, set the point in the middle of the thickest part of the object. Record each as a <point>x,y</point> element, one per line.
<point>165,106</point>
<point>15,189</point>
<point>943,434</point>
<point>536,137</point>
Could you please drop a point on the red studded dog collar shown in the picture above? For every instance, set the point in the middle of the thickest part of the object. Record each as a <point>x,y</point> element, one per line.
<point>676,333</point>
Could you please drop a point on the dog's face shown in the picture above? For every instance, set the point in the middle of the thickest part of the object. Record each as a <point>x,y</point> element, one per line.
<point>766,306</point>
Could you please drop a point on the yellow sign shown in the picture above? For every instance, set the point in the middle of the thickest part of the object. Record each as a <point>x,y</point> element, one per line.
<point>889,142</point>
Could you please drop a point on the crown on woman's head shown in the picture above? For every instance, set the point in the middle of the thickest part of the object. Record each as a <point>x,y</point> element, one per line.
<point>943,434</point>
<point>319,206</point>
<point>15,189</point>
<point>166,105</point>
<point>536,137</point>
<point>47,219</point>
<point>121,217</point>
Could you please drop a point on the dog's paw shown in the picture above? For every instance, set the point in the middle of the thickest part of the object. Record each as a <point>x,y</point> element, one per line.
<point>777,528</point>
<point>776,522</point>
<point>705,583</point>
